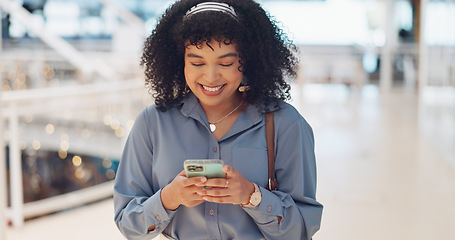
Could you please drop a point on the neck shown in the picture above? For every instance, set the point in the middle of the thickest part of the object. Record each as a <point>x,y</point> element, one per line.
<point>214,113</point>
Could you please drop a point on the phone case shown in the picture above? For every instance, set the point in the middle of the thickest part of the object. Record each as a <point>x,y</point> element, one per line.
<point>210,168</point>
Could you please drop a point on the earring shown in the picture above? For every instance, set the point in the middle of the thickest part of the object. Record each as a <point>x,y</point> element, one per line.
<point>244,86</point>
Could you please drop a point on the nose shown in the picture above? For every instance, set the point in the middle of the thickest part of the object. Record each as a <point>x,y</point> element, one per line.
<point>212,74</point>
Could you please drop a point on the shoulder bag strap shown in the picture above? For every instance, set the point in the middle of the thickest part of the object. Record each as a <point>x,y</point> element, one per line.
<point>270,138</point>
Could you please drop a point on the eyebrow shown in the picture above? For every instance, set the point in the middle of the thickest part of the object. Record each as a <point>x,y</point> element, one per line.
<point>192,55</point>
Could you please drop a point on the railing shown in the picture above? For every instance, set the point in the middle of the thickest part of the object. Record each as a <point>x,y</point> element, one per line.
<point>118,100</point>
<point>26,103</point>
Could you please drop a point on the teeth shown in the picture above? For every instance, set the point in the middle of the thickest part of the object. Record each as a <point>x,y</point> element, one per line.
<point>212,89</point>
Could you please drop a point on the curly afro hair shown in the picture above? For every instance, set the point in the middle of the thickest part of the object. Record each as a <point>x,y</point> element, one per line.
<point>268,56</point>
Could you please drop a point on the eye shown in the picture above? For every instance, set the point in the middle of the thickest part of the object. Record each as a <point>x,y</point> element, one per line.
<point>226,65</point>
<point>197,64</point>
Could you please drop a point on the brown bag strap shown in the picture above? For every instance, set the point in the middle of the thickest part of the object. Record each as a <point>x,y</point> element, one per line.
<point>270,138</point>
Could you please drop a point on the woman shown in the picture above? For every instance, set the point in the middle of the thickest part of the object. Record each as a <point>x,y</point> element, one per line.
<point>214,69</point>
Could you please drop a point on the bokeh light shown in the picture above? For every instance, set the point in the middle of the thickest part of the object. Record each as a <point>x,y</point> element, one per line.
<point>77,161</point>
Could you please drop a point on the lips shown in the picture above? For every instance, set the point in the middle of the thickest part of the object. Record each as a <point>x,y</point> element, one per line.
<point>212,89</point>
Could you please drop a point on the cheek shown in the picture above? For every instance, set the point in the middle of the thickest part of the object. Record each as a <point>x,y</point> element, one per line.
<point>236,76</point>
<point>189,75</point>
<point>185,73</point>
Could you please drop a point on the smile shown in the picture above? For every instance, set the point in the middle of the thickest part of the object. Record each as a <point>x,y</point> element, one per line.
<point>212,89</point>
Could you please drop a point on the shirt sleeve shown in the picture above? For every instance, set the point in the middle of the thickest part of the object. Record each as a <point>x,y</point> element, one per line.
<point>137,205</point>
<point>292,211</point>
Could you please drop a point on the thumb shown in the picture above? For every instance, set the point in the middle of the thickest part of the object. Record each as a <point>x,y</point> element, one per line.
<point>182,173</point>
<point>230,171</point>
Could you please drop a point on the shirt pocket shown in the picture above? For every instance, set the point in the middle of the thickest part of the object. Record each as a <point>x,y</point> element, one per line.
<point>252,163</point>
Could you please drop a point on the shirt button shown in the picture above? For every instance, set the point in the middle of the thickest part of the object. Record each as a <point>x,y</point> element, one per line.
<point>215,149</point>
<point>269,208</point>
<point>211,212</point>
<point>158,218</point>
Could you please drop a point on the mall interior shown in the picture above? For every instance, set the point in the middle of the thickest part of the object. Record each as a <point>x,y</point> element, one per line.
<point>376,82</point>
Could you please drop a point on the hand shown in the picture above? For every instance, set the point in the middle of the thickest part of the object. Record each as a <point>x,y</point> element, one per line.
<point>234,189</point>
<point>182,191</point>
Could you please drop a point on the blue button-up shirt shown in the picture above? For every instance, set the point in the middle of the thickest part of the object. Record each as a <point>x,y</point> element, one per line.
<point>159,143</point>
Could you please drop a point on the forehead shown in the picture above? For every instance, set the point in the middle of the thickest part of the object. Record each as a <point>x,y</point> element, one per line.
<point>212,47</point>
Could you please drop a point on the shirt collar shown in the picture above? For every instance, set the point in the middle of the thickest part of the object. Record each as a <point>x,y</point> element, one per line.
<point>192,108</point>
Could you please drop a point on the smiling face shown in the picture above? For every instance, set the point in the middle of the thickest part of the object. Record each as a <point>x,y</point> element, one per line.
<point>212,73</point>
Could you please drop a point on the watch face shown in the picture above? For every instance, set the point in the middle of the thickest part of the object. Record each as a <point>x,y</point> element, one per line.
<point>256,198</point>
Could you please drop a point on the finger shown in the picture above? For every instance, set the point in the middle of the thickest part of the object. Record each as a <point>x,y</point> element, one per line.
<point>194,189</point>
<point>182,173</point>
<point>196,197</point>
<point>214,182</point>
<point>230,171</point>
<point>214,192</point>
<point>194,181</point>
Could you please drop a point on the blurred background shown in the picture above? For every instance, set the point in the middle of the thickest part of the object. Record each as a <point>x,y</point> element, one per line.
<point>376,82</point>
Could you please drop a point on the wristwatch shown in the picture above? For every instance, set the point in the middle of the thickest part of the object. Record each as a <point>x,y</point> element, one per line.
<point>255,198</point>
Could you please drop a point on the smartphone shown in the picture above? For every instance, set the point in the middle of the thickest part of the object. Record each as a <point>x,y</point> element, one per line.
<point>210,168</point>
